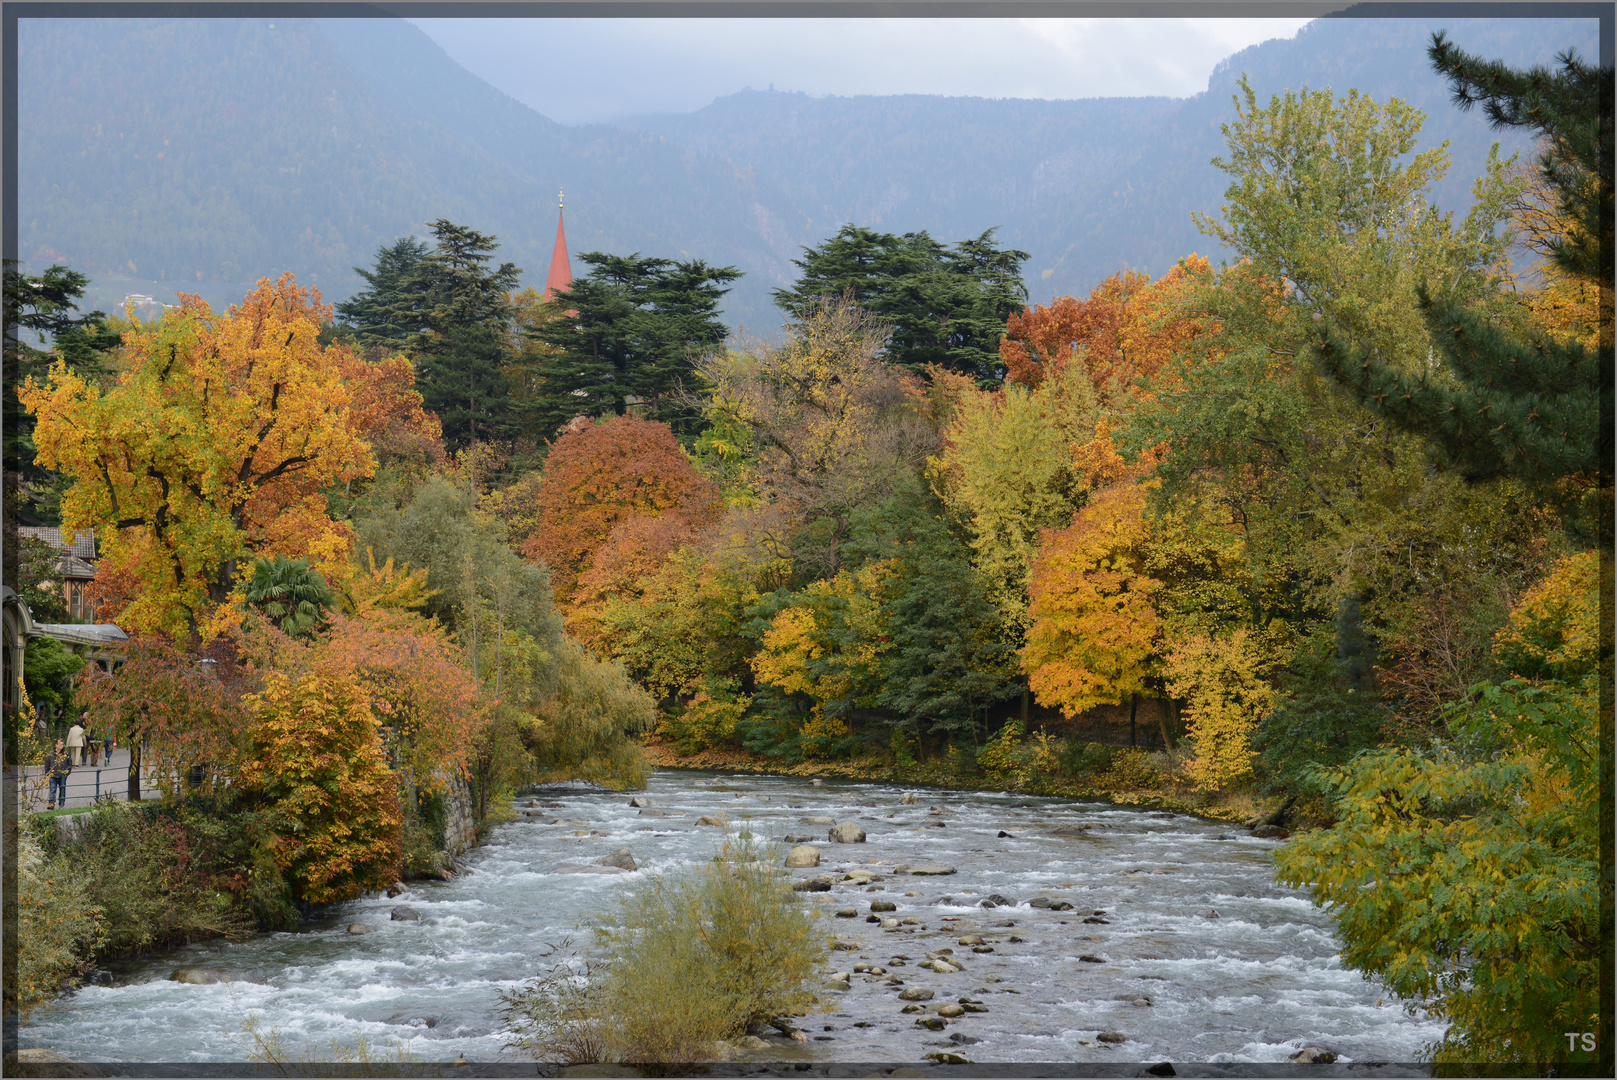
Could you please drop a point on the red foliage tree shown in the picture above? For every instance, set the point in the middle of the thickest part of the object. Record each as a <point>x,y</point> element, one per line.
<point>1128,328</point>
<point>600,476</point>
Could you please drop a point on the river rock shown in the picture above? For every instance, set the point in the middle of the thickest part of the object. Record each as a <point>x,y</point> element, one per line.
<point>1162,1068</point>
<point>1112,1037</point>
<point>749,1042</point>
<point>883,905</point>
<point>358,928</point>
<point>930,869</point>
<point>915,993</point>
<point>622,859</point>
<point>847,833</point>
<point>944,1057</point>
<point>848,913</point>
<point>931,1023</point>
<point>972,939</point>
<point>811,885</point>
<point>1003,835</point>
<point>395,889</point>
<point>574,868</point>
<point>963,1039</point>
<point>1270,832</point>
<point>908,799</point>
<point>996,900</point>
<point>655,812</point>
<point>817,819</point>
<point>838,984</point>
<point>709,819</point>
<point>1091,958</point>
<point>1314,1055</point>
<point>801,856</point>
<point>641,801</point>
<point>203,976</point>
<point>1070,830</point>
<point>405,914</point>
<point>1208,914</point>
<point>816,782</point>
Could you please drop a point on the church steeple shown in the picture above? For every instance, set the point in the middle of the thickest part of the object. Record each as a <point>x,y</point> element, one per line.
<point>560,277</point>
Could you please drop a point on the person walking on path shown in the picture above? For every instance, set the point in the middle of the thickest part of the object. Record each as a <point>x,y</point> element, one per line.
<point>58,763</point>
<point>92,746</point>
<point>75,739</point>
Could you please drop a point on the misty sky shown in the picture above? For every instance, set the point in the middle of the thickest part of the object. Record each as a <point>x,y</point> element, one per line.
<point>587,70</point>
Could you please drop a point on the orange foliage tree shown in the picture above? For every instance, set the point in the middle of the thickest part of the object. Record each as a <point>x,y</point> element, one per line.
<point>213,445</point>
<point>1127,329</point>
<point>317,757</point>
<point>388,410</point>
<point>598,477</point>
<point>1094,638</point>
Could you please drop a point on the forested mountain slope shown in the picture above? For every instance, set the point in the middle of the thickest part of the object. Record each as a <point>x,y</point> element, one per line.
<point>202,154</point>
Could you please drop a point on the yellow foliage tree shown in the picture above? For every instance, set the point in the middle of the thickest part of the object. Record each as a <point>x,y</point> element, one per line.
<point>213,445</point>
<point>1222,680</point>
<point>317,757</point>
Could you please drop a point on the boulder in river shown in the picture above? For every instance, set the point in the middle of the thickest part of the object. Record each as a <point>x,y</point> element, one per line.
<point>812,885</point>
<point>709,819</point>
<point>405,914</point>
<point>1314,1055</point>
<point>1091,958</point>
<point>203,976</point>
<point>1208,914</point>
<point>641,801</point>
<point>915,993</point>
<point>951,1010</point>
<point>818,819</point>
<point>847,833</point>
<point>655,812</point>
<point>622,859</point>
<point>928,869</point>
<point>943,1057</point>
<point>816,782</point>
<point>931,1023</point>
<point>883,905</point>
<point>358,928</point>
<point>802,856</point>
<point>908,799</point>
<point>1112,1037</point>
<point>1270,832</point>
<point>1070,830</point>
<point>848,913</point>
<point>1003,835</point>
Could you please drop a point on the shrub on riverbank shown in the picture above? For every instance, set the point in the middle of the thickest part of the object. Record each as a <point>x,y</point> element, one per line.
<point>695,955</point>
<point>58,926</point>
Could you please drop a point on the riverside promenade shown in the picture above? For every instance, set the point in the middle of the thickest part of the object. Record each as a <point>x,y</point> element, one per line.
<point>85,783</point>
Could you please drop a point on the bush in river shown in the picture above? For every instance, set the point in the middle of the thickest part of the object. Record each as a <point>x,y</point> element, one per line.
<point>695,956</point>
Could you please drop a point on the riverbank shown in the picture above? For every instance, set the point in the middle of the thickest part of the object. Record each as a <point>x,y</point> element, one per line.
<point>1111,786</point>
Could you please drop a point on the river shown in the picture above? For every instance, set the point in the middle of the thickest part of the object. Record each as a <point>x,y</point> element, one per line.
<point>1252,985</point>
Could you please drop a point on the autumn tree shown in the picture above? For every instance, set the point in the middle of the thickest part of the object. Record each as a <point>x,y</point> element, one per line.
<point>835,426</point>
<point>316,757</point>
<point>599,476</point>
<point>1128,329</point>
<point>1095,626</point>
<point>216,438</point>
<point>46,305</point>
<point>1006,471</point>
<point>1490,895</point>
<point>1506,404</point>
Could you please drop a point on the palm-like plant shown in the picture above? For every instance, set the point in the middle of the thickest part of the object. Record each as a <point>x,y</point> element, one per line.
<point>290,592</point>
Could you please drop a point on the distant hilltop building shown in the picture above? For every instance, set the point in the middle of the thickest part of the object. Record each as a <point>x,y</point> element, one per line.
<point>560,278</point>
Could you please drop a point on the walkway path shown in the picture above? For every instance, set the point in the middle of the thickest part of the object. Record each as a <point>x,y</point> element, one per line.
<point>85,783</point>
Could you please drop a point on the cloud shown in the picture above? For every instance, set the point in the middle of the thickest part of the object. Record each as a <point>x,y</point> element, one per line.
<point>591,70</point>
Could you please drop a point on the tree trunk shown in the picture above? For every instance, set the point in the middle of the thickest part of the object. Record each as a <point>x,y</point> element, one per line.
<point>134,771</point>
<point>1134,708</point>
<point>1026,695</point>
<point>1167,733</point>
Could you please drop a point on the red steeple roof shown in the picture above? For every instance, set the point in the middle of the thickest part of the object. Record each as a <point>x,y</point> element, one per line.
<point>560,277</point>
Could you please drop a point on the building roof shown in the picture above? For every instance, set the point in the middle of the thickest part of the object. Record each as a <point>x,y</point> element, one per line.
<point>82,547</point>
